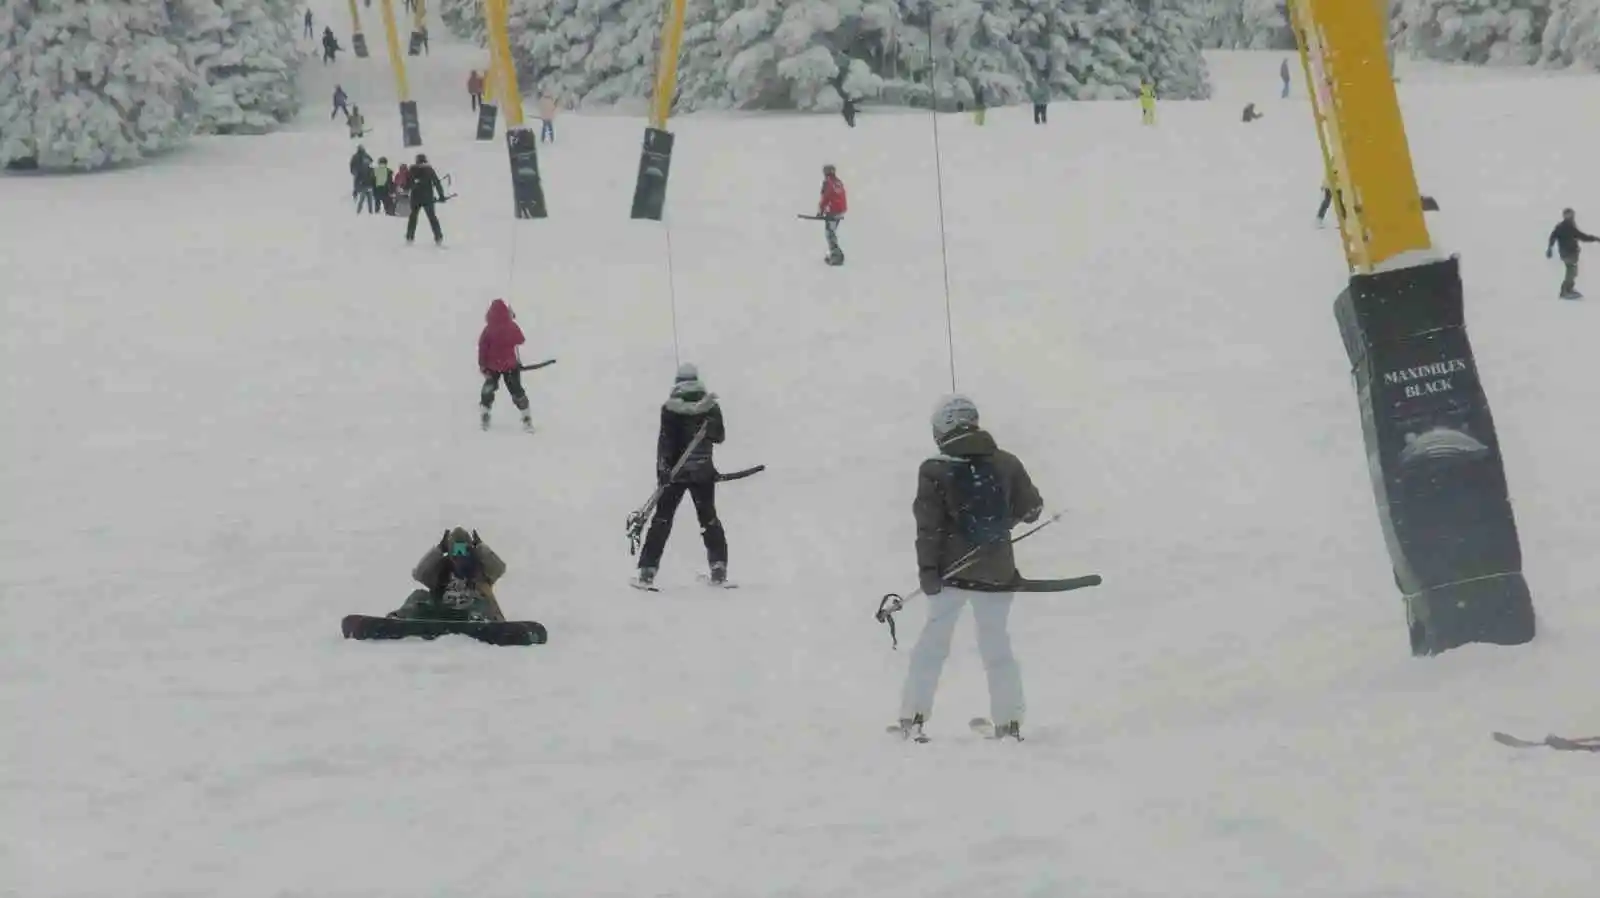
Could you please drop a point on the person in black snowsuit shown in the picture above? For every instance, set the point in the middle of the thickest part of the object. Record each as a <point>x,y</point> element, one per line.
<point>360,166</point>
<point>686,410</point>
<point>340,103</point>
<point>1565,238</point>
<point>426,189</point>
<point>330,46</point>
<point>311,30</point>
<point>849,110</point>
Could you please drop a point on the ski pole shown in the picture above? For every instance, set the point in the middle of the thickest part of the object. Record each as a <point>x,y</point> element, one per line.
<point>894,602</point>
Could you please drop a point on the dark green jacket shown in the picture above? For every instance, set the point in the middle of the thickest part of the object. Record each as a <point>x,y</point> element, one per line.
<point>940,543</point>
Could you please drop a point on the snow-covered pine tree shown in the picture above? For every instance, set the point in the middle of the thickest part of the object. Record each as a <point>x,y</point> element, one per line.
<point>98,84</point>
<point>249,54</point>
<point>1247,25</point>
<point>620,66</point>
<point>464,19</point>
<point>1493,32</point>
<point>550,40</point>
<point>1572,34</point>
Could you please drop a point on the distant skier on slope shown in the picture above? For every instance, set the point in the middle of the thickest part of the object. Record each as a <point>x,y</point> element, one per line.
<point>831,207</point>
<point>458,576</point>
<point>357,123</point>
<point>498,360</point>
<point>360,164</point>
<point>688,408</point>
<point>340,101</point>
<point>330,46</point>
<point>969,495</point>
<point>425,189</point>
<point>1565,237</point>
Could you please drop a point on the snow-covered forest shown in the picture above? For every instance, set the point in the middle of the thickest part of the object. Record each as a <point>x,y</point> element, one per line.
<point>85,85</point>
<point>811,54</point>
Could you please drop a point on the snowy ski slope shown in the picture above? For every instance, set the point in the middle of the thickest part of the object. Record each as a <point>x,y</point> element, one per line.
<point>234,411</point>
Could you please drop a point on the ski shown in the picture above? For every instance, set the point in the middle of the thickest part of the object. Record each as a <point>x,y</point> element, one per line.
<point>913,734</point>
<point>1559,743</point>
<point>984,727</point>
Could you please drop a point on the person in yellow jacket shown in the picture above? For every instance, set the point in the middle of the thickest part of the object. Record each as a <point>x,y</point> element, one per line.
<point>1147,101</point>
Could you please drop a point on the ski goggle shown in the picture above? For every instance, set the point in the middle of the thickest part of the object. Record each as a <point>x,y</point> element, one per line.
<point>460,550</point>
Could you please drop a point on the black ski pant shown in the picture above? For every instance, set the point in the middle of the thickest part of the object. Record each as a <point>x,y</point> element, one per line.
<point>1039,114</point>
<point>705,507</point>
<point>513,379</point>
<point>433,221</point>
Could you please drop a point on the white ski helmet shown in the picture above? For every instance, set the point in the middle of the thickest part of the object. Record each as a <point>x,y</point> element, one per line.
<point>953,413</point>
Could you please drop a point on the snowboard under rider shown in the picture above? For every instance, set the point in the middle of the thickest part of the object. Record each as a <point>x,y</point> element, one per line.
<point>689,407</point>
<point>831,206</point>
<point>969,495</point>
<point>498,360</point>
<point>458,576</point>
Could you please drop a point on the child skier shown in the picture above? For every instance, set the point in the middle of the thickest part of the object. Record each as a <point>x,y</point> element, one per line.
<point>458,576</point>
<point>831,207</point>
<point>687,409</point>
<point>498,360</point>
<point>969,496</point>
<point>1565,237</point>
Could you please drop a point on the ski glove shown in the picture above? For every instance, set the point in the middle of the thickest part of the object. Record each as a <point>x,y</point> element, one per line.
<point>1549,252</point>
<point>928,579</point>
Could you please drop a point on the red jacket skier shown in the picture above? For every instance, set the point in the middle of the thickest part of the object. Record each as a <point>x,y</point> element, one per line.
<point>831,207</point>
<point>497,360</point>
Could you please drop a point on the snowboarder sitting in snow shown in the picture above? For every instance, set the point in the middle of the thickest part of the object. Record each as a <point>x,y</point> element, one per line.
<point>497,360</point>
<point>459,576</point>
<point>360,164</point>
<point>1250,113</point>
<point>831,207</point>
<point>1565,237</point>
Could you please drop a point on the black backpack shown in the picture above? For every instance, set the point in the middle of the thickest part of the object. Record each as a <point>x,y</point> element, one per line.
<point>983,513</point>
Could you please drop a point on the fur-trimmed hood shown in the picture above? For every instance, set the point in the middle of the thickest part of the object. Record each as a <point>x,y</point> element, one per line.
<point>690,397</point>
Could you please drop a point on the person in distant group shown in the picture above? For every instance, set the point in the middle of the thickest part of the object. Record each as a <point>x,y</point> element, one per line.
<point>849,110</point>
<point>1147,102</point>
<point>311,30</point>
<point>330,46</point>
<point>1565,238</point>
<point>1283,72</point>
<point>422,32</point>
<point>383,185</point>
<point>340,98</point>
<point>360,162</point>
<point>547,115</point>
<point>980,108</point>
<point>831,207</point>
<point>425,189</point>
<point>367,189</point>
<point>475,89</point>
<point>357,123</point>
<point>1041,103</point>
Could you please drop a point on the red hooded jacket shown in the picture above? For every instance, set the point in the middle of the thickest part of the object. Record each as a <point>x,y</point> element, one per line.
<point>833,202</point>
<point>497,345</point>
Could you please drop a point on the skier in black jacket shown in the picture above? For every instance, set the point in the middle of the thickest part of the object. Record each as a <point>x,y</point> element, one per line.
<point>688,408</point>
<point>1565,238</point>
<point>426,189</point>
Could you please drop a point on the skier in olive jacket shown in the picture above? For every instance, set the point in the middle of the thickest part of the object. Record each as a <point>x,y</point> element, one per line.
<point>970,495</point>
<point>458,576</point>
<point>1565,238</point>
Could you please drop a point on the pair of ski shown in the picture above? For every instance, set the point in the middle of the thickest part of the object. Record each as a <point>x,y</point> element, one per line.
<point>1559,743</point>
<point>702,579</point>
<point>981,726</point>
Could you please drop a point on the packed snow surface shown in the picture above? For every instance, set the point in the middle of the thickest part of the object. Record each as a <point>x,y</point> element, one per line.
<point>235,411</point>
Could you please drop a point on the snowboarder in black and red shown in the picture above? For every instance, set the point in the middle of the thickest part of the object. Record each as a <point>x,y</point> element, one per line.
<point>425,189</point>
<point>1565,238</point>
<point>687,409</point>
<point>831,207</point>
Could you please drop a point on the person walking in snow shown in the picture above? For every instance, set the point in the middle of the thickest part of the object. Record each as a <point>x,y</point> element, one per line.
<point>330,46</point>
<point>547,115</point>
<point>383,185</point>
<point>498,361</point>
<point>1147,102</point>
<point>475,89</point>
<point>425,189</point>
<point>360,164</point>
<point>367,189</point>
<point>688,409</point>
<point>969,496</point>
<point>1283,72</point>
<point>358,124</point>
<point>340,98</point>
<point>1565,238</point>
<point>849,109</point>
<point>831,207</point>
<point>311,30</point>
<point>980,108</point>
<point>1041,103</point>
